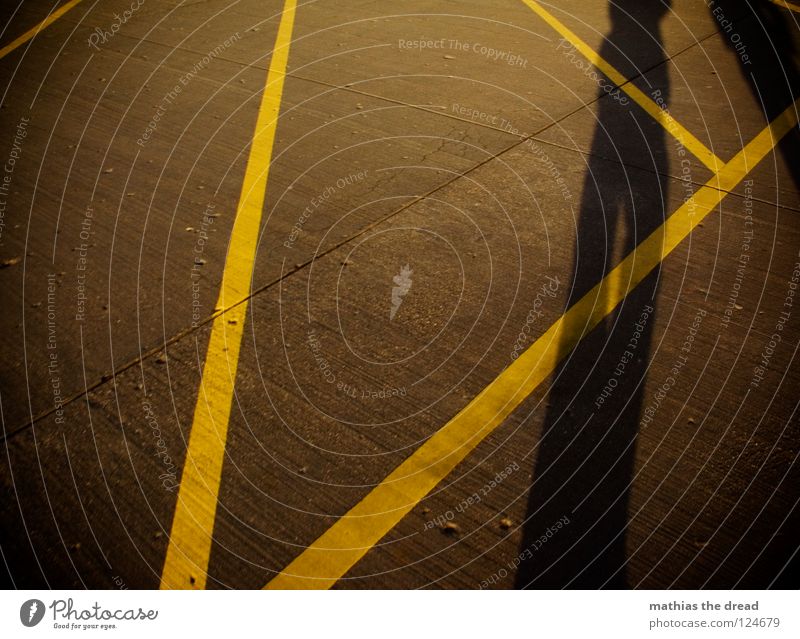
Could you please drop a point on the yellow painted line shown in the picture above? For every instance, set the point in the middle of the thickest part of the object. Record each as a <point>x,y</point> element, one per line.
<point>672,126</point>
<point>337,550</point>
<point>186,563</point>
<point>39,27</point>
<point>786,5</point>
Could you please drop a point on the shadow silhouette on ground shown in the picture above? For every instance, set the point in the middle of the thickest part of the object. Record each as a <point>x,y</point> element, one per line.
<point>575,530</point>
<point>764,37</point>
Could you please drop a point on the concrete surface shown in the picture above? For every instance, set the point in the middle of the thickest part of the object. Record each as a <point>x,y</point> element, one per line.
<point>492,181</point>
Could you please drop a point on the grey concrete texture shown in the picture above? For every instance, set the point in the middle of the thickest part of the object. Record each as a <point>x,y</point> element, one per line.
<point>460,143</point>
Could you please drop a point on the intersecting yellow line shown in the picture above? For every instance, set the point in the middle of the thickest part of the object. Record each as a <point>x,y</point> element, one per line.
<point>39,27</point>
<point>326,560</point>
<point>786,5</point>
<point>670,124</point>
<point>186,563</point>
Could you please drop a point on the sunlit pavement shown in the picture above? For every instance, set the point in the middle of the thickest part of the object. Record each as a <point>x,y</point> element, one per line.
<point>423,294</point>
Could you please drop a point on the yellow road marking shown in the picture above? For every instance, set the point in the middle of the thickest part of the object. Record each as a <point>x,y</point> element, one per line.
<point>786,5</point>
<point>39,27</point>
<point>186,563</point>
<point>672,126</point>
<point>337,550</point>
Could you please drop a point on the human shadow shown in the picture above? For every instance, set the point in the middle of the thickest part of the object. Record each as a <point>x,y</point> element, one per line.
<point>575,530</point>
<point>764,39</point>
